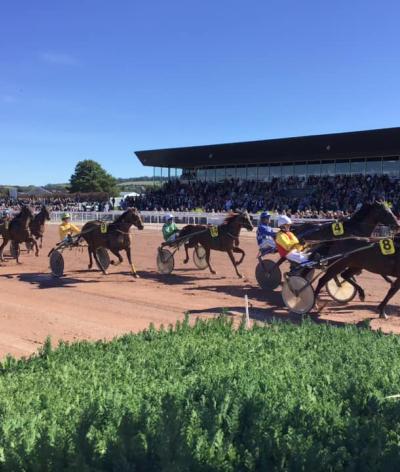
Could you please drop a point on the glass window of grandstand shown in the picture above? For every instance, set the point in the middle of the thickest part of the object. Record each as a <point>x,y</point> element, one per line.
<point>220,174</point>
<point>241,173</point>
<point>210,174</point>
<point>287,170</point>
<point>201,175</point>
<point>231,172</point>
<point>300,169</point>
<point>263,173</point>
<point>342,167</point>
<point>357,167</point>
<point>373,166</point>
<point>275,171</point>
<point>390,166</point>
<point>314,168</point>
<point>252,173</point>
<point>328,168</point>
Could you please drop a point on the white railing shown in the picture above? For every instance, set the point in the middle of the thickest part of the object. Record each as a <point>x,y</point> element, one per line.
<point>157,217</point>
<point>184,218</point>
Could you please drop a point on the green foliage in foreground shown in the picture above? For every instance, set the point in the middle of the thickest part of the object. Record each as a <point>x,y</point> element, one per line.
<point>206,398</point>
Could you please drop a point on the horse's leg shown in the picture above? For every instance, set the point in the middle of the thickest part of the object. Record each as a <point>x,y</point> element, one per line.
<point>129,256</point>
<point>90,258</point>
<point>231,257</point>
<point>239,251</point>
<point>186,260</point>
<point>35,244</point>
<point>208,260</point>
<point>392,291</point>
<point>347,276</point>
<point>116,253</point>
<point>5,241</point>
<point>98,262</point>
<point>16,246</point>
<point>41,242</point>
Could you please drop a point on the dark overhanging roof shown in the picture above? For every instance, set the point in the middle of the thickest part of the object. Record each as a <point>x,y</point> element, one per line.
<point>362,144</point>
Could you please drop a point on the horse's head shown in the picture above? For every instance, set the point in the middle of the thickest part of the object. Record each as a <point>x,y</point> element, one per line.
<point>379,212</point>
<point>25,213</point>
<point>45,212</point>
<point>245,221</point>
<point>133,216</point>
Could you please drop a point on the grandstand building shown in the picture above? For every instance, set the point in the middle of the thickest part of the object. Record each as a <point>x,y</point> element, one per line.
<point>360,152</point>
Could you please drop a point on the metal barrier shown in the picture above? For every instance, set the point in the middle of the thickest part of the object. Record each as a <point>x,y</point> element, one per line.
<point>81,217</point>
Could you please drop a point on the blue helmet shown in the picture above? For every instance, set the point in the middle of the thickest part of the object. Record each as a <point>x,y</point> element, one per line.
<point>264,214</point>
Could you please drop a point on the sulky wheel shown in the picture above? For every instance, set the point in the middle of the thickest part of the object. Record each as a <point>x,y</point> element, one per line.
<point>15,250</point>
<point>268,275</point>
<point>298,294</point>
<point>340,290</point>
<point>57,263</point>
<point>165,261</point>
<point>103,257</point>
<point>199,257</point>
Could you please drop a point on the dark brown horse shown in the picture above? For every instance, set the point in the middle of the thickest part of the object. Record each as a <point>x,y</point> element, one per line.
<point>113,236</point>
<point>37,225</point>
<point>381,257</point>
<point>224,237</point>
<point>18,231</point>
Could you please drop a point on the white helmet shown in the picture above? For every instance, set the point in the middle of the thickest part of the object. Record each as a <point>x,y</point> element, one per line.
<point>170,216</point>
<point>284,220</point>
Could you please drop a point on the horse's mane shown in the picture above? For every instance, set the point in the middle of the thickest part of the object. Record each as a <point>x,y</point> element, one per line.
<point>121,217</point>
<point>24,211</point>
<point>230,218</point>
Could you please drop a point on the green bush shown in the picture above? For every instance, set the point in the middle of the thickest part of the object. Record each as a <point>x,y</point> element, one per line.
<point>204,398</point>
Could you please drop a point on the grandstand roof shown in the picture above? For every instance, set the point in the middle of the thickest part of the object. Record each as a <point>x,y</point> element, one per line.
<point>356,144</point>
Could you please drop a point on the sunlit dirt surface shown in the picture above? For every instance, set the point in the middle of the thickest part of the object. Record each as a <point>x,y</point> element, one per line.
<point>88,305</point>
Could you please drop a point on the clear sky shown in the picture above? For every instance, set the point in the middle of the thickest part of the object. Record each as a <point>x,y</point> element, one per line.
<point>100,79</point>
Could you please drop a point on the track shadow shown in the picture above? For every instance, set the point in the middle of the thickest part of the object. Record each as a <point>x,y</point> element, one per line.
<point>170,279</point>
<point>46,281</point>
<point>254,293</point>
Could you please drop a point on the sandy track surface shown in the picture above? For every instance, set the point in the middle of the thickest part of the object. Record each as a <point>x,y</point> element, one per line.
<point>88,305</point>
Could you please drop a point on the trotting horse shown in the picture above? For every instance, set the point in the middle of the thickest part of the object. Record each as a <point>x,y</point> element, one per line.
<point>224,237</point>
<point>113,236</point>
<point>381,258</point>
<point>37,225</point>
<point>19,232</point>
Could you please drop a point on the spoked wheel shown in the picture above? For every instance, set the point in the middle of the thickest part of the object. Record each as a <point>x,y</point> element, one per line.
<point>340,290</point>
<point>57,263</point>
<point>103,257</point>
<point>15,250</point>
<point>165,261</point>
<point>199,257</point>
<point>268,275</point>
<point>298,294</point>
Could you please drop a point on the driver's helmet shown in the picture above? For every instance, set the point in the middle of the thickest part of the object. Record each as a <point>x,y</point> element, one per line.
<point>65,216</point>
<point>6,213</point>
<point>284,220</point>
<point>264,215</point>
<point>169,217</point>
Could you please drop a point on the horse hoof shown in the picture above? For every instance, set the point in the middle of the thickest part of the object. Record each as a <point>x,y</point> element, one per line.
<point>186,261</point>
<point>240,276</point>
<point>89,267</point>
<point>136,276</point>
<point>362,296</point>
<point>383,315</point>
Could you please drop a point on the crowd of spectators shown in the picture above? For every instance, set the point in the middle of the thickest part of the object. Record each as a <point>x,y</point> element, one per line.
<point>327,196</point>
<point>58,203</point>
<point>312,197</point>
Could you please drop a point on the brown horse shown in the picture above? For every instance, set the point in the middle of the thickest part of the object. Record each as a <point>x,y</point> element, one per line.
<point>381,258</point>
<point>37,225</point>
<point>224,237</point>
<point>18,231</point>
<point>113,236</point>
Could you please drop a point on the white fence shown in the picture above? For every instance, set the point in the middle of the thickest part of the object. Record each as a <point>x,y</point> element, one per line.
<point>159,217</point>
<point>184,218</point>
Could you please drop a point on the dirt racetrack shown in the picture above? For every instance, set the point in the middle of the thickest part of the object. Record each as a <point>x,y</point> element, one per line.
<point>88,305</point>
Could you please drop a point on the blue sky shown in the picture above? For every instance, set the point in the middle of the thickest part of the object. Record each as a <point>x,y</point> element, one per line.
<point>100,79</point>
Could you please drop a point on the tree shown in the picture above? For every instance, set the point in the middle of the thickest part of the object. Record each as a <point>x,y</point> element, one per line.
<point>89,176</point>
